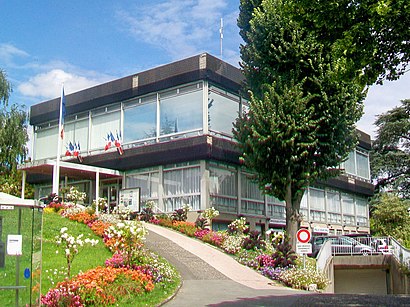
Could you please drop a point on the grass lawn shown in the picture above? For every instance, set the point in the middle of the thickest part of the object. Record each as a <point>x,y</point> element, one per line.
<point>54,264</point>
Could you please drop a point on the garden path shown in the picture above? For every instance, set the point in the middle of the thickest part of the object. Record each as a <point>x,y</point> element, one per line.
<point>213,278</point>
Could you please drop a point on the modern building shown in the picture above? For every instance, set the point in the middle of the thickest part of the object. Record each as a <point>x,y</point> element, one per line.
<point>175,127</point>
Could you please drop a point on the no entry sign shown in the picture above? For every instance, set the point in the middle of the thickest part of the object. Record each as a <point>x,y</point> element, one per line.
<point>303,235</point>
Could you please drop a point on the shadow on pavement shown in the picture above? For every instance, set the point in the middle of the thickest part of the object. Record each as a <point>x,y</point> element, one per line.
<point>333,300</point>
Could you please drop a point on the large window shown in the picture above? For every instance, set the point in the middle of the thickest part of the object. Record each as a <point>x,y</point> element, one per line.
<point>362,160</point>
<point>140,120</point>
<point>223,188</point>
<point>223,110</point>
<point>182,186</point>
<point>317,205</point>
<point>46,143</point>
<point>358,164</point>
<point>147,181</point>
<point>104,123</point>
<point>253,201</point>
<point>76,132</point>
<point>180,112</point>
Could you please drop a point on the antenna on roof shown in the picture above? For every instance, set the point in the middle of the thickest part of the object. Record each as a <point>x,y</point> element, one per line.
<point>221,32</point>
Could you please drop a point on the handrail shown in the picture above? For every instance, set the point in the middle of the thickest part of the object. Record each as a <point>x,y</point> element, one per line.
<point>399,252</point>
<point>324,256</point>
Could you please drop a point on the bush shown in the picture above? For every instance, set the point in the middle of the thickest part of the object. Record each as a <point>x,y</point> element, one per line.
<point>214,238</point>
<point>254,241</point>
<point>299,278</point>
<point>201,222</point>
<point>232,244</point>
<point>284,256</point>
<point>187,228</point>
<point>179,215</point>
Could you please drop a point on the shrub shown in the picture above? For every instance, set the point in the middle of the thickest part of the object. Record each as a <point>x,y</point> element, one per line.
<point>187,228</point>
<point>232,244</point>
<point>301,278</point>
<point>214,238</point>
<point>210,213</point>
<point>147,214</point>
<point>201,233</point>
<point>179,215</point>
<point>237,226</point>
<point>253,241</point>
<point>201,222</point>
<point>126,237</point>
<point>284,256</point>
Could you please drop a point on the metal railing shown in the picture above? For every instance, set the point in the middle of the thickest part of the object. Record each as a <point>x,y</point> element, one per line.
<point>367,246</point>
<point>399,252</point>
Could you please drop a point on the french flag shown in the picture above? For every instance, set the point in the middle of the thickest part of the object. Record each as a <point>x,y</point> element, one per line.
<point>62,113</point>
<point>118,145</point>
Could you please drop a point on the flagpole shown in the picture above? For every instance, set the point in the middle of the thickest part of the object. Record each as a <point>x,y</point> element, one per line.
<point>221,32</point>
<point>60,135</point>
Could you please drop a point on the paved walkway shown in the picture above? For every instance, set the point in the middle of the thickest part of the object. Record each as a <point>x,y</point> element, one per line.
<point>213,278</point>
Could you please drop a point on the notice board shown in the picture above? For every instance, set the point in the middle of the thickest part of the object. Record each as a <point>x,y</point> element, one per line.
<point>130,199</point>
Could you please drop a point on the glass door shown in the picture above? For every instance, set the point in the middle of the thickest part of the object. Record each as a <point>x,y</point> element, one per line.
<point>110,193</point>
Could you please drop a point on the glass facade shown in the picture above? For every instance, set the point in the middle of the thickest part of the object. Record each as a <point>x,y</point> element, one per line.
<point>179,112</point>
<point>223,109</point>
<point>140,120</point>
<point>223,188</point>
<point>357,164</point>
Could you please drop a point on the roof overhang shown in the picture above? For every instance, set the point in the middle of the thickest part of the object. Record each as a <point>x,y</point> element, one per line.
<point>77,171</point>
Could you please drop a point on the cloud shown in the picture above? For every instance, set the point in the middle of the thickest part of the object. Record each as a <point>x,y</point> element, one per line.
<point>8,52</point>
<point>181,28</point>
<point>47,85</point>
<point>382,98</point>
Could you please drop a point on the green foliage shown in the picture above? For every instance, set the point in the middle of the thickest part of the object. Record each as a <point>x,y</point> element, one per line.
<point>284,256</point>
<point>254,241</point>
<point>5,87</point>
<point>390,156</point>
<point>201,222</point>
<point>13,138</point>
<point>300,278</point>
<point>390,217</point>
<point>12,184</point>
<point>373,36</point>
<point>303,107</point>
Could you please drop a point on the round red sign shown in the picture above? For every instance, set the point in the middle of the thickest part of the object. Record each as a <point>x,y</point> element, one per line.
<point>303,235</point>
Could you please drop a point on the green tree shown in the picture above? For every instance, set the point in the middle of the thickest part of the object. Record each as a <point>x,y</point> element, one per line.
<point>373,35</point>
<point>390,217</point>
<point>13,140</point>
<point>301,120</point>
<point>5,88</point>
<point>390,156</point>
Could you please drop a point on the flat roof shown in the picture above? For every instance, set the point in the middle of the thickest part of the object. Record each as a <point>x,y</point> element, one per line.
<point>199,67</point>
<point>71,170</point>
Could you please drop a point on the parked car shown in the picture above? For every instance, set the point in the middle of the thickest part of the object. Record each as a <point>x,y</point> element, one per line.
<point>381,245</point>
<point>341,245</point>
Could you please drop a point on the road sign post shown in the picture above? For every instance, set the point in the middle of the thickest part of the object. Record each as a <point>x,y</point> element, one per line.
<point>303,247</point>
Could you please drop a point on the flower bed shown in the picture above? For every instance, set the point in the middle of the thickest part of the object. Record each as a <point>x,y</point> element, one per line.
<point>273,258</point>
<point>130,275</point>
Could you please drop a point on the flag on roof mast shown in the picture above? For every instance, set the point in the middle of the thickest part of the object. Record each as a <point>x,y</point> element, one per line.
<point>62,113</point>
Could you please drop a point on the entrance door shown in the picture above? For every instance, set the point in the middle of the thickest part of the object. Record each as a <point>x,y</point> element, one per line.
<point>110,193</point>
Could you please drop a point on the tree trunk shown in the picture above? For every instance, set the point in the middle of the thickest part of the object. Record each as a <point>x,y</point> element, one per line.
<point>292,223</point>
<point>293,217</point>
